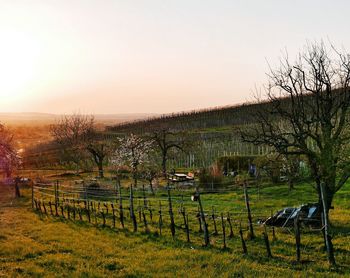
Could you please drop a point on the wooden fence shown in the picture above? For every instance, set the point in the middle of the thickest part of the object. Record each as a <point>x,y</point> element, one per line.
<point>181,214</point>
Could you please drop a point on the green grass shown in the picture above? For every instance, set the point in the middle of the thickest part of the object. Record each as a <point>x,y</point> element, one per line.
<point>36,245</point>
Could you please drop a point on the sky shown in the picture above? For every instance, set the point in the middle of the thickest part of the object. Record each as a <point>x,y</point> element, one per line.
<point>110,57</point>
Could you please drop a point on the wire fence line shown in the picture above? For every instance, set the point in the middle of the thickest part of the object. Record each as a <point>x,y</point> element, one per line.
<point>182,196</point>
<point>181,213</point>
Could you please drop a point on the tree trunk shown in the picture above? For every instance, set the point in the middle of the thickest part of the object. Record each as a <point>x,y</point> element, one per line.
<point>17,191</point>
<point>327,195</point>
<point>326,202</point>
<point>135,180</point>
<point>164,159</point>
<point>100,169</point>
<point>290,183</point>
<point>151,186</point>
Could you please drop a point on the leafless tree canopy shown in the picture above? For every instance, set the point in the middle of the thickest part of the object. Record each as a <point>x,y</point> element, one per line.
<point>166,140</point>
<point>78,137</point>
<point>71,129</point>
<point>70,132</point>
<point>307,113</point>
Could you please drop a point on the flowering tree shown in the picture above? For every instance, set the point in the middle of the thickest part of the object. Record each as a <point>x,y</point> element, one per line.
<point>133,151</point>
<point>9,159</point>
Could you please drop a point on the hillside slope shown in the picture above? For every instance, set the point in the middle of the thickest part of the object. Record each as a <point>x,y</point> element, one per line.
<point>35,245</point>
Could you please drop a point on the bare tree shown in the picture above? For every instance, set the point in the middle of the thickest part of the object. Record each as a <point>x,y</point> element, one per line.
<point>307,113</point>
<point>70,132</point>
<point>167,140</point>
<point>99,148</point>
<point>134,151</point>
<point>77,136</point>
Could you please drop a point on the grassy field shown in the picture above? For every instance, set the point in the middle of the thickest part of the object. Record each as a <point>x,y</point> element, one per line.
<point>36,245</point>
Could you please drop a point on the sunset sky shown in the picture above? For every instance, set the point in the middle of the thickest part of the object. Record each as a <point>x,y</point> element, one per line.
<point>151,56</point>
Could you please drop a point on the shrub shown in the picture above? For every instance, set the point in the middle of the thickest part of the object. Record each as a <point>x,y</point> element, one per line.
<point>269,165</point>
<point>210,176</point>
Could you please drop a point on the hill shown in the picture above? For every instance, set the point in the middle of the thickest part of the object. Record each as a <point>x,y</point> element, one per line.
<point>196,119</point>
<point>35,119</point>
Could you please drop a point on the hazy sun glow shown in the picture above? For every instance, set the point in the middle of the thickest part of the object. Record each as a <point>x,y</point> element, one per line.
<point>150,56</point>
<point>19,57</point>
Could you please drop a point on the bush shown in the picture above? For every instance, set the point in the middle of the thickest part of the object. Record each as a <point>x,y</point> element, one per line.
<point>269,165</point>
<point>210,176</point>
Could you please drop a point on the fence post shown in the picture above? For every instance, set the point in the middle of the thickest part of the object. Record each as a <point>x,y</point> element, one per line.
<point>274,238</point>
<point>79,212</point>
<point>68,210</point>
<point>62,211</point>
<point>113,214</point>
<point>103,218</point>
<point>204,223</point>
<point>139,210</point>
<point>150,211</point>
<point>121,213</point>
<point>246,197</point>
<point>200,230</point>
<point>56,209</point>
<point>95,212</point>
<point>244,246</point>
<point>185,218</point>
<point>223,230</point>
<point>55,189</point>
<point>230,225</point>
<point>50,204</point>
<point>187,229</point>
<point>132,213</point>
<point>88,212</point>
<point>160,223</point>
<point>32,195</point>
<point>145,220</point>
<point>87,195</point>
<point>171,214</point>
<point>58,191</point>
<point>214,221</point>
<point>74,212</point>
<point>297,236</point>
<point>267,243</point>
<point>144,196</point>
<point>106,206</point>
<point>39,205</point>
<point>44,208</point>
